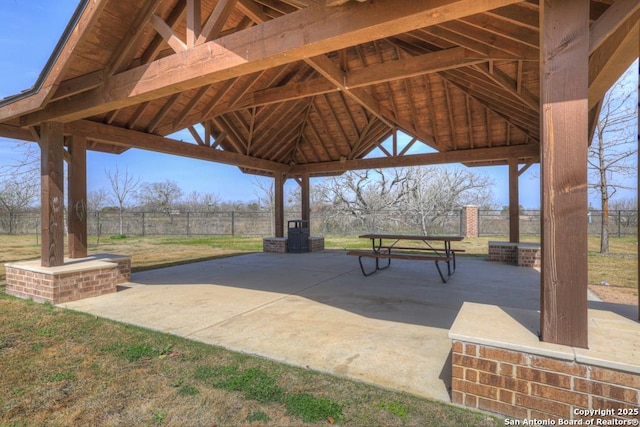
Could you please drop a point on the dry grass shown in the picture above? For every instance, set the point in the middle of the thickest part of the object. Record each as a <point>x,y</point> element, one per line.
<point>66,368</point>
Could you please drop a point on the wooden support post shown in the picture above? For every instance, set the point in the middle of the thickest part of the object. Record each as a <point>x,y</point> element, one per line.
<point>305,195</point>
<point>564,53</point>
<point>514,202</point>
<point>52,194</point>
<point>77,201</point>
<point>279,203</point>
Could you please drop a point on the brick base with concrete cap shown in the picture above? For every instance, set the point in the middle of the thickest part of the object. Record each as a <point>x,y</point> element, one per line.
<point>279,244</point>
<point>520,254</point>
<point>500,365</point>
<point>76,279</point>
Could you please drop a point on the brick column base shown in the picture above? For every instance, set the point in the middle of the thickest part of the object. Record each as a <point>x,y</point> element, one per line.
<point>499,365</point>
<point>76,279</point>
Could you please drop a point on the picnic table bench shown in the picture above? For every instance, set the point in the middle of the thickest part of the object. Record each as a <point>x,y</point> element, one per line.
<point>426,252</point>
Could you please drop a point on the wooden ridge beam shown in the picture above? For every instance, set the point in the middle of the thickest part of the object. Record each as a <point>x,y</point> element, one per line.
<point>134,139</point>
<point>309,32</point>
<point>527,151</point>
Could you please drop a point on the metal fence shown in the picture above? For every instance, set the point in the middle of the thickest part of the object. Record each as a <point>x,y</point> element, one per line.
<point>235,223</point>
<point>622,223</point>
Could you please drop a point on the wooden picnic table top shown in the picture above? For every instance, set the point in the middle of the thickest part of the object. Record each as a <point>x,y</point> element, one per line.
<point>411,237</point>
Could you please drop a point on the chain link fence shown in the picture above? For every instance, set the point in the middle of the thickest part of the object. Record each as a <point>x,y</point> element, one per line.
<point>325,223</point>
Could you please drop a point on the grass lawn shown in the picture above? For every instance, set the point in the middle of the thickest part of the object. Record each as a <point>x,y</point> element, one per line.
<point>65,368</point>
<point>61,367</point>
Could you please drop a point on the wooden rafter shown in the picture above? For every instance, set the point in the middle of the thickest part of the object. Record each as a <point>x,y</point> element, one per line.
<point>134,139</point>
<point>194,21</point>
<point>216,21</point>
<point>167,33</point>
<point>514,87</point>
<point>308,34</point>
<point>163,112</point>
<point>155,47</point>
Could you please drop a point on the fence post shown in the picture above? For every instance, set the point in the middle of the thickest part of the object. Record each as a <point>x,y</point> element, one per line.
<point>188,228</point>
<point>619,222</point>
<point>233,223</point>
<point>143,229</point>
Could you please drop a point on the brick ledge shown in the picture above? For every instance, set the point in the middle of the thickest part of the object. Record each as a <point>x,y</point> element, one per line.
<point>517,329</point>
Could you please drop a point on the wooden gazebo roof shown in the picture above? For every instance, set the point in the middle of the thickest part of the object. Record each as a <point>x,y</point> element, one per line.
<point>310,85</point>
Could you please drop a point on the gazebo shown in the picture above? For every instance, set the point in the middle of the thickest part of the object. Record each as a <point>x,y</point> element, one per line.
<point>294,89</point>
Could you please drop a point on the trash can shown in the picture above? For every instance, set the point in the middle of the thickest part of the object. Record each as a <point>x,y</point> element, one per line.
<point>298,236</point>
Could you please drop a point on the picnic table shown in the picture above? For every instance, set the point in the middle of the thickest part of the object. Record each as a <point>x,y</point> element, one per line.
<point>394,246</point>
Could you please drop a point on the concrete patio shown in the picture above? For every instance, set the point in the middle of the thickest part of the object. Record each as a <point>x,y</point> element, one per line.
<point>316,310</point>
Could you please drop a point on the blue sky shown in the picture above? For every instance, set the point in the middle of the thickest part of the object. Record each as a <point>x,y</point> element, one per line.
<point>29,34</point>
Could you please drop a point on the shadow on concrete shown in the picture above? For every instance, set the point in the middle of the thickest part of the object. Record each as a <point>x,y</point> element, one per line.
<point>408,292</point>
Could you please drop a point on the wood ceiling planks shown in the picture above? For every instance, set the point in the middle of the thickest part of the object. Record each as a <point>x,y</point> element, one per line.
<point>297,82</point>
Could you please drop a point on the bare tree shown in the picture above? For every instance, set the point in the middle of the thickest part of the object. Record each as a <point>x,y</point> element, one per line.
<point>17,193</point>
<point>436,192</point>
<point>421,197</point>
<point>97,200</point>
<point>19,184</point>
<point>613,150</point>
<point>367,195</point>
<point>265,192</point>
<point>160,196</point>
<point>123,189</point>
<point>196,201</point>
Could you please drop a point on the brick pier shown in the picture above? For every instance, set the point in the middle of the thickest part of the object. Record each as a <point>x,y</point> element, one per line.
<point>76,279</point>
<point>279,244</point>
<point>499,365</point>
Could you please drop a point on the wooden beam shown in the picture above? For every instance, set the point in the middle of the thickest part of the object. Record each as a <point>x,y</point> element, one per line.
<point>167,34</point>
<point>411,67</point>
<point>168,105</point>
<point>378,73</point>
<point>216,21</point>
<point>155,47</point>
<point>514,202</point>
<point>512,86</point>
<point>278,187</point>
<point>460,156</point>
<point>89,17</point>
<point>564,82</point>
<point>610,21</point>
<point>79,84</point>
<point>309,32</point>
<point>612,58</point>
<point>14,132</point>
<point>124,53</point>
<point>331,72</point>
<point>194,11</point>
<point>77,202</point>
<point>52,190</point>
<point>252,10</point>
<point>144,141</point>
